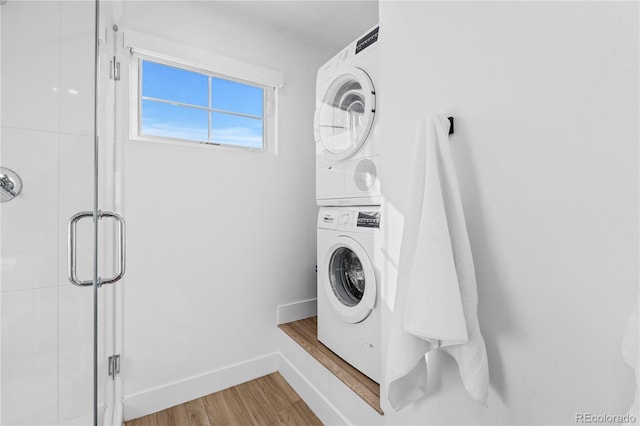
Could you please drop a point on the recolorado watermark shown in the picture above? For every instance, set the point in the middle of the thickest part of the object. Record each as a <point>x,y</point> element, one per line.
<point>605,418</point>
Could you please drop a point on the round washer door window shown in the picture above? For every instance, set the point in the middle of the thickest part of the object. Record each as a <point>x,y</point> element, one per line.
<point>344,116</point>
<point>351,287</point>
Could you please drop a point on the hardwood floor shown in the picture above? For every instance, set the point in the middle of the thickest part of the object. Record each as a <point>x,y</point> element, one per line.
<point>305,333</point>
<point>268,400</point>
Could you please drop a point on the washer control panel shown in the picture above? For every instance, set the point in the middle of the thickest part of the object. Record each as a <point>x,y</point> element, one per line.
<point>349,218</point>
<point>368,219</point>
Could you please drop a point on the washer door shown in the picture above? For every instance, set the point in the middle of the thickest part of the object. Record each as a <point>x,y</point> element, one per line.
<point>344,116</point>
<point>351,287</point>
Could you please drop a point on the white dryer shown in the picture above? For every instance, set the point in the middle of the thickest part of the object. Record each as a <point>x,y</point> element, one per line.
<point>349,285</point>
<point>347,151</point>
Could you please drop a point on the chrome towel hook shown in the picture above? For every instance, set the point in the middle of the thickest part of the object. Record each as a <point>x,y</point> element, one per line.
<point>10,185</point>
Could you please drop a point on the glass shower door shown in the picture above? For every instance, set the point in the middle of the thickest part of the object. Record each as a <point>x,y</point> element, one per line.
<point>49,327</point>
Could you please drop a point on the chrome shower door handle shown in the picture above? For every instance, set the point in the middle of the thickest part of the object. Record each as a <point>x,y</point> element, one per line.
<point>122,244</point>
<point>71,246</point>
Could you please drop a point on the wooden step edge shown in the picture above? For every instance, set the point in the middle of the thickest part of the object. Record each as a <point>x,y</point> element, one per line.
<point>360,384</point>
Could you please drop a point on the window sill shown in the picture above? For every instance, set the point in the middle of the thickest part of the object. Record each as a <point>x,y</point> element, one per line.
<point>194,144</point>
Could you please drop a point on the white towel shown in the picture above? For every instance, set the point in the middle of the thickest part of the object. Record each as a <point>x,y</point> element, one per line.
<point>630,355</point>
<point>436,300</point>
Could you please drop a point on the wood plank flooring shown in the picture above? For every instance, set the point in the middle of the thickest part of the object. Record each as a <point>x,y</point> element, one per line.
<point>268,400</point>
<point>305,333</point>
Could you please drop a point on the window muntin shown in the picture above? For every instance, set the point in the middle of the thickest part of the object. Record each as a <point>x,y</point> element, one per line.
<point>227,95</point>
<point>179,103</point>
<point>160,82</point>
<point>174,121</point>
<point>229,129</point>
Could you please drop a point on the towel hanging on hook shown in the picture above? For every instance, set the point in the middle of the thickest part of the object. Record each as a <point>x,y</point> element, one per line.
<point>436,293</point>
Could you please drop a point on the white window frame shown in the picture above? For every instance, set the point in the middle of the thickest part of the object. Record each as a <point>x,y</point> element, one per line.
<point>143,47</point>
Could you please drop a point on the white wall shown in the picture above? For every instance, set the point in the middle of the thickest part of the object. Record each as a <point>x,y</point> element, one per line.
<point>545,97</point>
<point>216,238</point>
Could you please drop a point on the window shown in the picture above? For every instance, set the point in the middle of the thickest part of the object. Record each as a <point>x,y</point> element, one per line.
<point>179,102</point>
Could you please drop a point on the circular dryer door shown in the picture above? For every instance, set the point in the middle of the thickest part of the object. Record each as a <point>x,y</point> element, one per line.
<point>344,116</point>
<point>351,287</point>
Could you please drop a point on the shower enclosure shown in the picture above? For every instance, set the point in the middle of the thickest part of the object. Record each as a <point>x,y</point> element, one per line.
<point>62,246</point>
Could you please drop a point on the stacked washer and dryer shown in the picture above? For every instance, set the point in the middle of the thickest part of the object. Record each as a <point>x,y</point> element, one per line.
<point>348,193</point>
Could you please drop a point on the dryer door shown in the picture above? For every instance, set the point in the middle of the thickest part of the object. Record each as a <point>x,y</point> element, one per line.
<point>344,116</point>
<point>351,287</point>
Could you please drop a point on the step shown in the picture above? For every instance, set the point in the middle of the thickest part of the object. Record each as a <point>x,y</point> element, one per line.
<point>304,332</point>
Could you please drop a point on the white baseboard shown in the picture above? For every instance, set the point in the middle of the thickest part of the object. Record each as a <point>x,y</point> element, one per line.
<point>297,310</point>
<point>157,399</point>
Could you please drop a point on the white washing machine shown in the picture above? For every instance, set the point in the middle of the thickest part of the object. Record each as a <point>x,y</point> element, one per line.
<point>347,152</point>
<point>349,285</point>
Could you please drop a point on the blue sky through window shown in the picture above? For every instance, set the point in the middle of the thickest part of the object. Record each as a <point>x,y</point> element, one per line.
<point>231,96</point>
<point>176,103</point>
<point>172,121</point>
<point>236,130</point>
<point>174,84</point>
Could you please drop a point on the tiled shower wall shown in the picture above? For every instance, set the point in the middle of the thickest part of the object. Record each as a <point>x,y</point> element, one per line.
<point>47,125</point>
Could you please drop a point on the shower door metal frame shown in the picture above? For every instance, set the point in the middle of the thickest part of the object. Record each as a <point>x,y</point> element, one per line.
<point>96,282</point>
